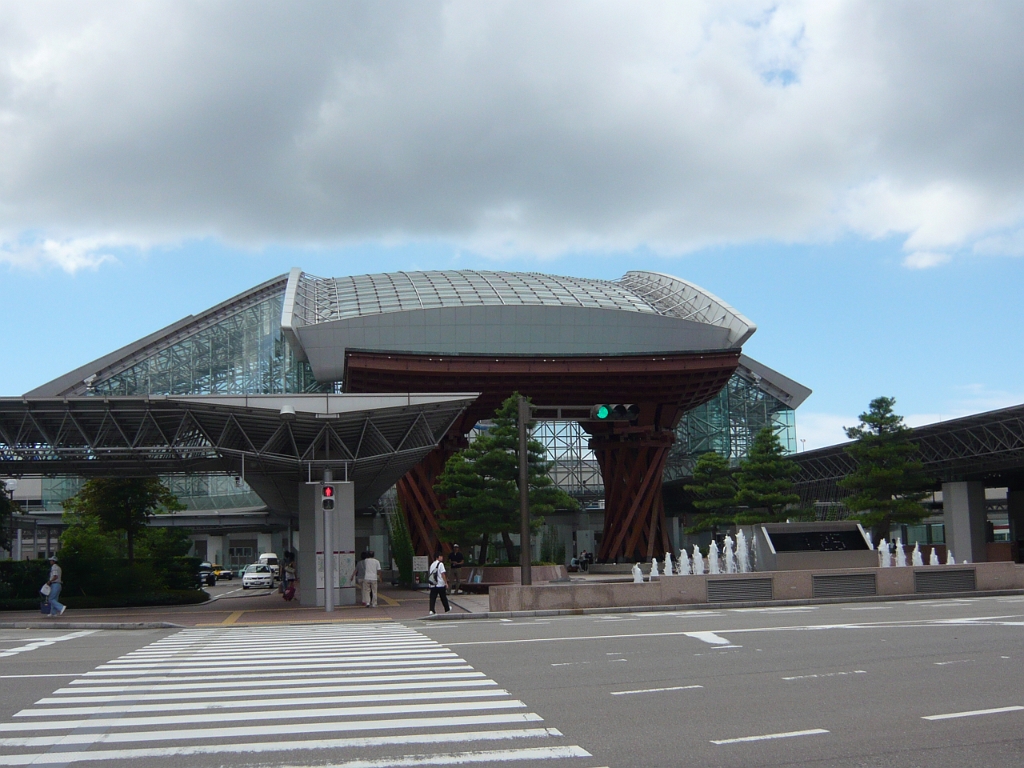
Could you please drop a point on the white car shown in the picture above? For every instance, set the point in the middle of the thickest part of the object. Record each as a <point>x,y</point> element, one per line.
<point>257,575</point>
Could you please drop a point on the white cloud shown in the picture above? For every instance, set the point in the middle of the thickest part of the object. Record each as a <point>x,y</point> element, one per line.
<point>510,127</point>
<point>818,430</point>
<point>925,259</point>
<point>70,255</point>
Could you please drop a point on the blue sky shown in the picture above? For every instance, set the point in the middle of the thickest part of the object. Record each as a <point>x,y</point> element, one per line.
<point>847,174</point>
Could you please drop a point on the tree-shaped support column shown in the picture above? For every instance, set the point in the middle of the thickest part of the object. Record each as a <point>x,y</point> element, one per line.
<point>631,463</point>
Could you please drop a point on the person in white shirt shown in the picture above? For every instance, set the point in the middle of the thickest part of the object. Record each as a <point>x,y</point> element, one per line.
<point>371,567</point>
<point>438,584</point>
<point>56,583</point>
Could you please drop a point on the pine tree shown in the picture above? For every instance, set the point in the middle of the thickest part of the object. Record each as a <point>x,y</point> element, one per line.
<point>714,491</point>
<point>889,482</point>
<point>481,484</point>
<point>764,481</point>
<point>8,508</point>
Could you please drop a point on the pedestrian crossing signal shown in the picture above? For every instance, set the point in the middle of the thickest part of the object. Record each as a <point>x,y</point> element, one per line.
<point>327,497</point>
<point>615,412</point>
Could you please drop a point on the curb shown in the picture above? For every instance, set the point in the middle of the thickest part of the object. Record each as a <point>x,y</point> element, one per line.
<point>717,606</point>
<point>88,625</point>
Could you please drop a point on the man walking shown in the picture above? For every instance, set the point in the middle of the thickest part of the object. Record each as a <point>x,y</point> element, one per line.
<point>457,560</point>
<point>438,584</point>
<point>371,567</point>
<point>56,583</point>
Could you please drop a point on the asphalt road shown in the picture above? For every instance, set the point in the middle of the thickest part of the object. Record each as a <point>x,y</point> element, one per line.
<point>921,683</point>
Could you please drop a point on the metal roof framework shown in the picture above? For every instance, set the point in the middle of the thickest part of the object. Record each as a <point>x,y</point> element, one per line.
<point>275,441</point>
<point>985,446</point>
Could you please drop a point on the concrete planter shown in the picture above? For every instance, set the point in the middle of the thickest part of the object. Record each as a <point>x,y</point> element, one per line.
<point>764,586</point>
<point>482,578</point>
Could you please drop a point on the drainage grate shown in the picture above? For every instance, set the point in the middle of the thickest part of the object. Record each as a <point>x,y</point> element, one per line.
<point>959,580</point>
<point>733,590</point>
<point>845,585</point>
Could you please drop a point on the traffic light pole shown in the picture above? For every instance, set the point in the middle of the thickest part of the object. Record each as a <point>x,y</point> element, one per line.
<point>329,579</point>
<point>524,495</point>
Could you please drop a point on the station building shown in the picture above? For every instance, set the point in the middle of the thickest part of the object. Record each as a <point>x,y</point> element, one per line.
<point>468,337</point>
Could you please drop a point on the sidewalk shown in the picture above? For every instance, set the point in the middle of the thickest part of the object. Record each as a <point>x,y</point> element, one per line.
<point>395,604</point>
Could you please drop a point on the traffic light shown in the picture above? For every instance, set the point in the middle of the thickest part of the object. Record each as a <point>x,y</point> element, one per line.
<point>615,412</point>
<point>327,497</point>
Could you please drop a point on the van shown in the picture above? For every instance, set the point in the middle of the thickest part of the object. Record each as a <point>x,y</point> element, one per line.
<point>269,558</point>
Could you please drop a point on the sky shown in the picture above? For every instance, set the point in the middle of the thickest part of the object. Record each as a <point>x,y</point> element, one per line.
<point>848,175</point>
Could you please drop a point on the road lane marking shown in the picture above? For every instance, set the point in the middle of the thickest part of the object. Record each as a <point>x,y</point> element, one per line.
<point>235,616</point>
<point>265,678</point>
<point>709,637</point>
<point>826,674</point>
<point>770,736</point>
<point>290,729</point>
<point>656,690</point>
<point>52,674</point>
<point>219,706</point>
<point>973,713</point>
<point>896,624</point>
<point>569,663</point>
<point>61,758</point>
<point>41,642</point>
<point>956,661</point>
<point>294,714</point>
<point>257,692</point>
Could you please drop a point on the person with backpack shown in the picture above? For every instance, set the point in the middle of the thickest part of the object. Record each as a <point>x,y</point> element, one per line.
<point>438,584</point>
<point>371,568</point>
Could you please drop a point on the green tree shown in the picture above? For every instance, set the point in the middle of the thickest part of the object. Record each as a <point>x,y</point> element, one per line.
<point>480,485</point>
<point>401,545</point>
<point>714,492</point>
<point>764,481</point>
<point>123,505</point>
<point>8,508</point>
<point>889,482</point>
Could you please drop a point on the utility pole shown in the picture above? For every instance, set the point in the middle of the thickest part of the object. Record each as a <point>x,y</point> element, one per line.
<point>524,495</point>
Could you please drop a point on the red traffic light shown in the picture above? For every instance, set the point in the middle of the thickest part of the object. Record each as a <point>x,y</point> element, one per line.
<point>328,491</point>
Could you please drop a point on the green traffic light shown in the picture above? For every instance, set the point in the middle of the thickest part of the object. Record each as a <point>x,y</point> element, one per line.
<point>603,412</point>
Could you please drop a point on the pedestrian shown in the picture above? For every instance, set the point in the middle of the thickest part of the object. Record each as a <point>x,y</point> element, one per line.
<point>457,560</point>
<point>359,574</point>
<point>438,584</point>
<point>290,575</point>
<point>55,583</point>
<point>371,568</point>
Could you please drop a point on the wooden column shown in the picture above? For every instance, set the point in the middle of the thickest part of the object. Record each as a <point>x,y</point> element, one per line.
<point>634,514</point>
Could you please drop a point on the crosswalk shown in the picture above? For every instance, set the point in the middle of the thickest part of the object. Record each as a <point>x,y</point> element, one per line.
<point>366,696</point>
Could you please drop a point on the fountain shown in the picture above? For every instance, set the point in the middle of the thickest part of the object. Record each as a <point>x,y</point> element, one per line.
<point>638,575</point>
<point>669,570</point>
<point>730,556</point>
<point>684,563</point>
<point>654,569</point>
<point>933,558</point>
<point>915,556</point>
<point>698,561</point>
<point>883,552</point>
<point>713,565</point>
<point>950,560</point>
<point>901,554</point>
<point>742,552</point>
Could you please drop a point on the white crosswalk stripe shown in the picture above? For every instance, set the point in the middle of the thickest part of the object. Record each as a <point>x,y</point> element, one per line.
<point>372,695</point>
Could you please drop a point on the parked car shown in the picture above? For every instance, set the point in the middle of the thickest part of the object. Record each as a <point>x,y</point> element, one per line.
<point>206,575</point>
<point>223,573</point>
<point>258,575</point>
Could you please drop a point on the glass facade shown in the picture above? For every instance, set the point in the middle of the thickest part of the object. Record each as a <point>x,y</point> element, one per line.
<point>243,354</point>
<point>727,424</point>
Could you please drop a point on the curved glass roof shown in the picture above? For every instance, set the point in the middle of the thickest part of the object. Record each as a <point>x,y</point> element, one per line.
<point>315,300</point>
